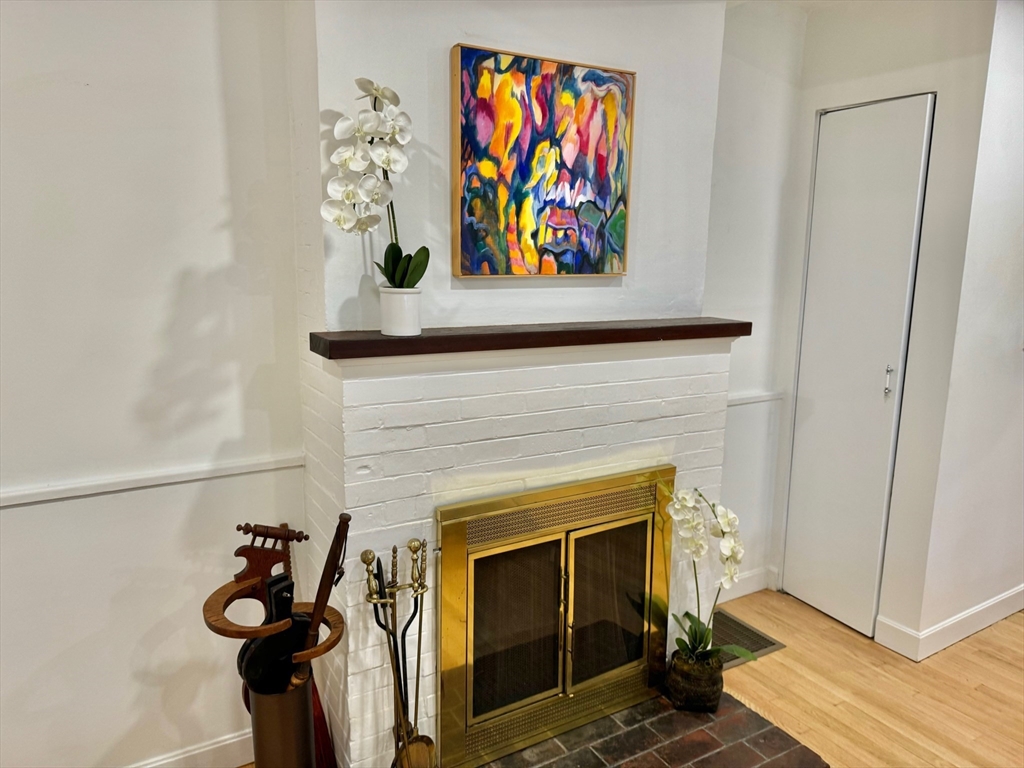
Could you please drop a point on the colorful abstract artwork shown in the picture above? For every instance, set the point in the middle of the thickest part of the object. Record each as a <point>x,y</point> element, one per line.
<point>541,152</point>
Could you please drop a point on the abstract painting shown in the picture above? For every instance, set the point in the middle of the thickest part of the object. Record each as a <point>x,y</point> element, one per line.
<point>541,155</point>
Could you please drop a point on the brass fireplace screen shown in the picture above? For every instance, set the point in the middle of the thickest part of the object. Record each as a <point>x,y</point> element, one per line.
<point>553,610</point>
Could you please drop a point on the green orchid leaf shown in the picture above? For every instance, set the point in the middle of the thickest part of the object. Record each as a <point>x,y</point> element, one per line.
<point>381,268</point>
<point>735,650</point>
<point>392,256</point>
<point>675,617</point>
<point>417,267</point>
<point>402,271</point>
<point>682,645</point>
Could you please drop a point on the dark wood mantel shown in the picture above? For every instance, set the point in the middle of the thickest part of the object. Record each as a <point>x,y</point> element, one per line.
<point>345,345</point>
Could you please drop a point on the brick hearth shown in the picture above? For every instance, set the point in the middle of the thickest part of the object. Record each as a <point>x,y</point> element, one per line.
<point>653,735</point>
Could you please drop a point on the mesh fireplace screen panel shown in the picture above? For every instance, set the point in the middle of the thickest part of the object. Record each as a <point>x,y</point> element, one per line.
<point>609,573</point>
<point>515,625</point>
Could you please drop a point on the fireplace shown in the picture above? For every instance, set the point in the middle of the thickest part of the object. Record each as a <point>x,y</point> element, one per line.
<point>392,439</point>
<point>552,610</point>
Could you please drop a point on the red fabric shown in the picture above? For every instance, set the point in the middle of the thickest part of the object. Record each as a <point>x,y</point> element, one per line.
<point>322,733</point>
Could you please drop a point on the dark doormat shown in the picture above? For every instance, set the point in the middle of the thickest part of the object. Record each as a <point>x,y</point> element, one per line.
<point>728,630</point>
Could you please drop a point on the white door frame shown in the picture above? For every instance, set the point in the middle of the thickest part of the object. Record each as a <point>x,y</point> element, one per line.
<point>905,342</point>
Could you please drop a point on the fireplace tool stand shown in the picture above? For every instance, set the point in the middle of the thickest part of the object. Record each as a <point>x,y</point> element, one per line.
<point>274,661</point>
<point>412,750</point>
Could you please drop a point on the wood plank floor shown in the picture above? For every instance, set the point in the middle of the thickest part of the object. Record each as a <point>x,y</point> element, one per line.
<point>858,704</point>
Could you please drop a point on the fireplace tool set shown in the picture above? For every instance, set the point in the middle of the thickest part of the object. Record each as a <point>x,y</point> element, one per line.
<point>411,749</point>
<point>289,729</point>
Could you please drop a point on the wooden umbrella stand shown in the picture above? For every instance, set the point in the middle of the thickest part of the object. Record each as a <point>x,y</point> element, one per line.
<point>275,659</point>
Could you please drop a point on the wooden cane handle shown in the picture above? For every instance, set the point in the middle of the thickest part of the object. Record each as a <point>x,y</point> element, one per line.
<point>217,603</point>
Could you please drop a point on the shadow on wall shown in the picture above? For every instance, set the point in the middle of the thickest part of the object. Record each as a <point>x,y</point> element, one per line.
<point>229,343</point>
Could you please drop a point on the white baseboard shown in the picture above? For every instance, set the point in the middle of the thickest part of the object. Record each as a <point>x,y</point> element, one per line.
<point>228,751</point>
<point>749,583</point>
<point>772,582</point>
<point>920,645</point>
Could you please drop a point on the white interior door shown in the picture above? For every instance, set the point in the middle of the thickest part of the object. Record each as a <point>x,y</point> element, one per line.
<point>868,196</point>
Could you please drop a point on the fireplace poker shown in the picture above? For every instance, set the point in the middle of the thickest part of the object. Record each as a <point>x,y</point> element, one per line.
<point>417,751</point>
<point>413,546</point>
<point>401,730</point>
<point>386,598</point>
<point>419,630</point>
<point>419,582</point>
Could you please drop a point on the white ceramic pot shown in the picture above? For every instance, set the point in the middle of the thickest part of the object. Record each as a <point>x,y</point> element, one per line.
<point>399,311</point>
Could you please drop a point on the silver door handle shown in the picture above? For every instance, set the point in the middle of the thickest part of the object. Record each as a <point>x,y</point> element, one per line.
<point>888,375</point>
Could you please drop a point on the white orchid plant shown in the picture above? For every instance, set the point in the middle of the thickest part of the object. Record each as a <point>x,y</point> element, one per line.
<point>693,528</point>
<point>372,150</point>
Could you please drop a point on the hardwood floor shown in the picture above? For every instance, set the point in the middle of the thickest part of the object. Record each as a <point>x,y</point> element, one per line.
<point>858,704</point>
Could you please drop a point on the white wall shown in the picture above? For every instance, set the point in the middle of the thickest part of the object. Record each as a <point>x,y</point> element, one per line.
<point>862,51</point>
<point>676,48</point>
<point>758,95</point>
<point>148,337</point>
<point>976,550</point>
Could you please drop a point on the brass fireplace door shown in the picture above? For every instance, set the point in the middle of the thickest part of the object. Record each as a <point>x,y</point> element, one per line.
<point>552,611</point>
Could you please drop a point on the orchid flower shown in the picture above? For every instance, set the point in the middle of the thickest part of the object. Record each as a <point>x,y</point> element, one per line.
<point>336,212</point>
<point>730,577</point>
<point>687,510</point>
<point>396,126</point>
<point>371,148</point>
<point>725,521</point>
<point>344,188</point>
<point>351,158</point>
<point>371,90</point>
<point>686,498</point>
<point>683,505</point>
<point>731,549</point>
<point>695,546</point>
<point>692,525</point>
<point>375,191</point>
<point>365,126</point>
<point>366,224</point>
<point>388,157</point>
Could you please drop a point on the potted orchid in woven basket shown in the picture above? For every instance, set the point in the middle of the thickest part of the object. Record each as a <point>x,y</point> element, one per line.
<point>695,676</point>
<point>372,151</point>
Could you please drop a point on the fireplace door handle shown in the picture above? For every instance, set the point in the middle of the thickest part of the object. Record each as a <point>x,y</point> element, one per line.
<point>561,627</point>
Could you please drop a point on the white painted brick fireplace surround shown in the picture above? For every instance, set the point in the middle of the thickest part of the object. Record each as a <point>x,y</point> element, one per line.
<point>390,439</point>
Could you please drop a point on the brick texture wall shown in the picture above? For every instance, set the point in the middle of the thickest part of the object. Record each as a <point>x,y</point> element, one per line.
<point>391,443</point>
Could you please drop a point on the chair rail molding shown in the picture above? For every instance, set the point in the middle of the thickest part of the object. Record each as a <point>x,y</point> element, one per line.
<point>17,497</point>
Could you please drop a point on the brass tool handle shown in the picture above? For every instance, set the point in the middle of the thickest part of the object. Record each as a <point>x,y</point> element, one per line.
<point>367,557</point>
